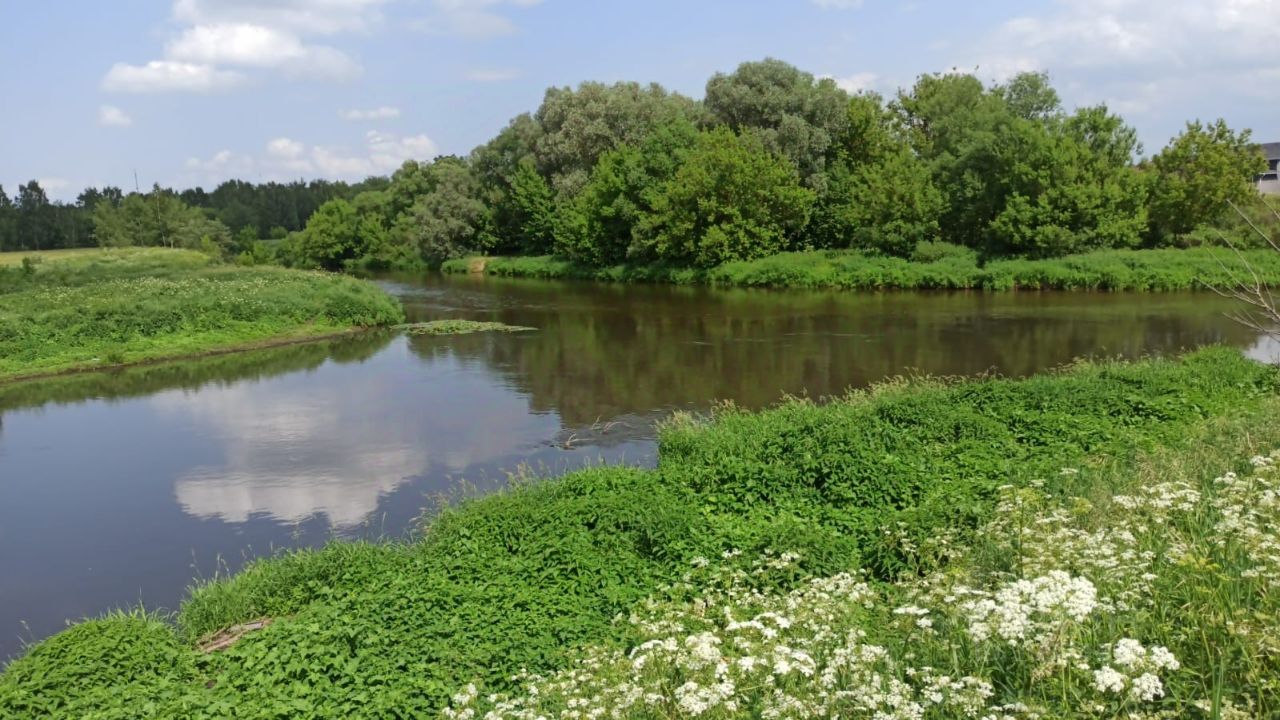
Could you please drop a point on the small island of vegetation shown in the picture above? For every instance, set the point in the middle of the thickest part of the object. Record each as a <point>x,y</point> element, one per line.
<point>94,309</point>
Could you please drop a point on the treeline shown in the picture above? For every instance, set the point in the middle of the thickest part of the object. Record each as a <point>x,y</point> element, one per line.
<point>29,220</point>
<point>774,159</point>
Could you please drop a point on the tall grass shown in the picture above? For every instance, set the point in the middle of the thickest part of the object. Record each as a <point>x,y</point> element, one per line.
<point>108,309</point>
<point>519,580</point>
<point>936,267</point>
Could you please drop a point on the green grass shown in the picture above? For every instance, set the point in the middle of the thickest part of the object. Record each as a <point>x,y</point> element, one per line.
<point>1144,270</point>
<point>9,259</point>
<point>521,578</point>
<point>1157,575</point>
<point>103,309</point>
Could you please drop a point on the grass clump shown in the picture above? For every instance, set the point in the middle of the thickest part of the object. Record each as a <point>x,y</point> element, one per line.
<point>459,327</point>
<point>121,307</point>
<point>134,653</point>
<point>895,482</point>
<point>932,266</point>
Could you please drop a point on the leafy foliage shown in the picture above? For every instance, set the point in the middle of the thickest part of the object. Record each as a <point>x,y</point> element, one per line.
<point>1198,174</point>
<point>730,200</point>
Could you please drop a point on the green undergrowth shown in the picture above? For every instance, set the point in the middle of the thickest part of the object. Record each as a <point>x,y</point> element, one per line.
<point>459,327</point>
<point>520,578</point>
<point>119,307</point>
<point>934,266</point>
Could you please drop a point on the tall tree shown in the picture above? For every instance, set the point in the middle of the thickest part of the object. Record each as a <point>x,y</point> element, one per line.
<point>35,218</point>
<point>331,236</point>
<point>8,222</point>
<point>579,125</point>
<point>452,219</point>
<point>796,115</point>
<point>1201,172</point>
<point>731,199</point>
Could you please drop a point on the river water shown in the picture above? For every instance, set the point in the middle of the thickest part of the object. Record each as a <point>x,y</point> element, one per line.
<point>124,488</point>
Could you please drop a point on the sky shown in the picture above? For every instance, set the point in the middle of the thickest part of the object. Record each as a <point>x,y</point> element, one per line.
<point>193,92</point>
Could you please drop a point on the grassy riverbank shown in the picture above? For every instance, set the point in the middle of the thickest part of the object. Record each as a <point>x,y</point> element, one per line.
<point>935,266</point>
<point>105,308</point>
<point>897,482</point>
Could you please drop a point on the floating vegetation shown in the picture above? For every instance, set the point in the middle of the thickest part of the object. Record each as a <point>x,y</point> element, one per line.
<point>459,327</point>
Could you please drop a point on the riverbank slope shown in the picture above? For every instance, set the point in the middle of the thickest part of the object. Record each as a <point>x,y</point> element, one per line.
<point>100,309</point>
<point>937,266</point>
<point>522,579</point>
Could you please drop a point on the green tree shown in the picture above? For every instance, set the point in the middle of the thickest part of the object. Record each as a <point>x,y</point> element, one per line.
<point>453,218</point>
<point>731,199</point>
<point>1029,96</point>
<point>1198,175</point>
<point>8,222</point>
<point>331,236</point>
<point>35,225</point>
<point>1070,187</point>
<point>598,227</point>
<point>534,207</point>
<point>157,218</point>
<point>879,195</point>
<point>796,115</point>
<point>579,125</point>
<point>889,205</point>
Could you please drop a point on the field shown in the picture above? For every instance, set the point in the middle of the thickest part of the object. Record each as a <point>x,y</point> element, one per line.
<point>918,544</point>
<point>935,266</point>
<point>92,309</point>
<point>10,259</point>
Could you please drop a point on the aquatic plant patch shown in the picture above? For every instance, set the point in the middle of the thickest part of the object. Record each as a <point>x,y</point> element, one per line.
<point>459,327</point>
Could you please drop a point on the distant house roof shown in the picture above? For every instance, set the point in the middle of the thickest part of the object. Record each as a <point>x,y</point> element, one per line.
<point>1271,150</point>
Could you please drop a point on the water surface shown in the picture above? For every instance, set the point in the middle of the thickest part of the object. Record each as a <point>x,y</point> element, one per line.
<point>122,488</point>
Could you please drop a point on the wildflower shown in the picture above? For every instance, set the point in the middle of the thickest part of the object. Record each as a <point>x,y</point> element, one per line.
<point>1162,659</point>
<point>1146,687</point>
<point>1129,653</point>
<point>1108,679</point>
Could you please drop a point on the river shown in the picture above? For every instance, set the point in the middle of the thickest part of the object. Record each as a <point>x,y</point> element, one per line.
<point>123,488</point>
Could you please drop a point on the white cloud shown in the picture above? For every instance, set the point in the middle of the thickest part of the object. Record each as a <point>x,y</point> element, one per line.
<point>384,152</point>
<point>474,19</point>
<point>312,17</point>
<point>1144,56</point>
<point>112,116</point>
<point>259,34</point>
<point>286,159</point>
<point>855,83</point>
<point>168,76</point>
<point>285,148</point>
<point>259,46</point>
<point>498,75</point>
<point>53,185</point>
<point>386,112</point>
<point>222,165</point>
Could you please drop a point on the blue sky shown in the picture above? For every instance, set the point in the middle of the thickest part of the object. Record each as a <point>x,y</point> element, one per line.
<point>190,92</point>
